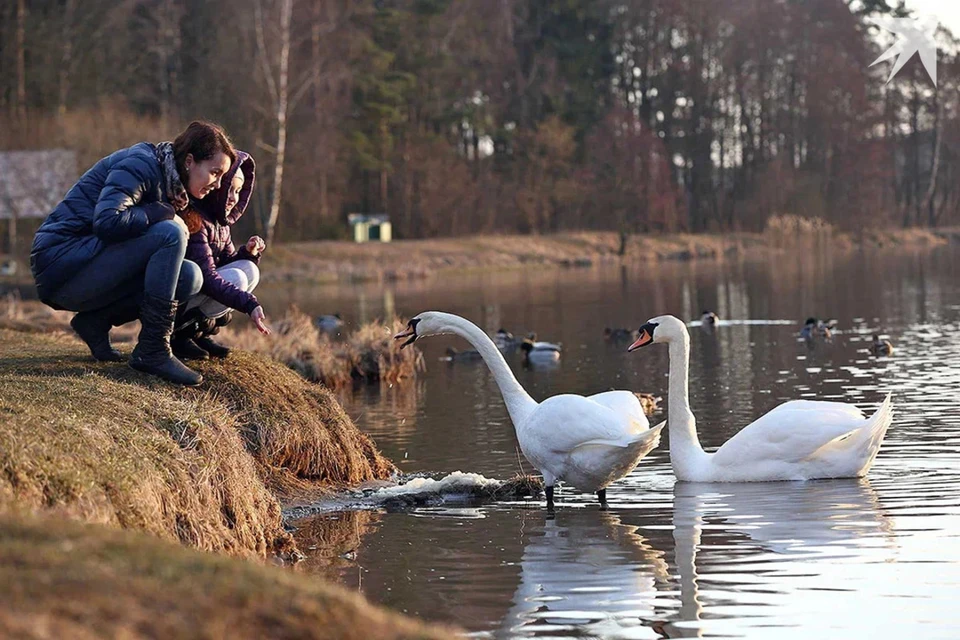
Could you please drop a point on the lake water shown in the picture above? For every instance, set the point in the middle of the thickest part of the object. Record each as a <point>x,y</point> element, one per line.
<point>877,557</point>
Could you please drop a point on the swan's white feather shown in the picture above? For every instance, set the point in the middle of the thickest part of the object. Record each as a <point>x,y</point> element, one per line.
<point>790,432</point>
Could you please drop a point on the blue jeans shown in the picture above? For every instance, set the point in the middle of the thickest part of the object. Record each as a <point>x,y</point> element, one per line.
<point>152,264</point>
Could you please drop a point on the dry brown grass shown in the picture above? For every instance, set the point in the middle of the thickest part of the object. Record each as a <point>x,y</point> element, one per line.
<point>82,130</point>
<point>101,442</point>
<point>410,259</point>
<point>376,356</point>
<point>31,316</point>
<point>63,580</point>
<point>522,485</point>
<point>370,354</point>
<point>296,430</point>
<point>787,231</point>
<point>89,442</point>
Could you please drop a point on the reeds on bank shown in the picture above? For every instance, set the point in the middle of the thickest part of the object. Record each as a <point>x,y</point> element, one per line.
<point>370,354</point>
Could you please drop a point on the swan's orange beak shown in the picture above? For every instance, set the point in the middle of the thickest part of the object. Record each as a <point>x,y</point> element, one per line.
<point>646,337</point>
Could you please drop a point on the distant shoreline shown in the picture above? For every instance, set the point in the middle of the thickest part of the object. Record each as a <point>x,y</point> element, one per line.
<point>337,261</point>
<point>344,262</point>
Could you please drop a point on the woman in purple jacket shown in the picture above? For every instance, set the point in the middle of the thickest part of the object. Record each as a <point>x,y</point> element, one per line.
<point>229,275</point>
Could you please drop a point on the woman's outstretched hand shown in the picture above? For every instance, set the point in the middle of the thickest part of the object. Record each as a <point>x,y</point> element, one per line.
<point>256,245</point>
<point>260,320</point>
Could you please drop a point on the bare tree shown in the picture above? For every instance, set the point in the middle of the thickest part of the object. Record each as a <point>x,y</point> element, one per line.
<point>66,57</point>
<point>329,73</point>
<point>278,82</point>
<point>21,60</point>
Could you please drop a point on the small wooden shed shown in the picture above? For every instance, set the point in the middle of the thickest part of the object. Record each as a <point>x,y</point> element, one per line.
<point>370,227</point>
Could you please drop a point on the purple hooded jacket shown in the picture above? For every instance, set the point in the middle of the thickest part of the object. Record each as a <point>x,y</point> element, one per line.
<point>211,246</point>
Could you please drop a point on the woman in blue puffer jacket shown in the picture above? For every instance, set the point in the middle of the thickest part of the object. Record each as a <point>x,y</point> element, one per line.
<point>113,249</point>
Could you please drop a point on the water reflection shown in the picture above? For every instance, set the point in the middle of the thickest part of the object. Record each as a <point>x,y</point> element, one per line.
<point>331,542</point>
<point>752,545</point>
<point>389,414</point>
<point>734,547</point>
<point>585,573</point>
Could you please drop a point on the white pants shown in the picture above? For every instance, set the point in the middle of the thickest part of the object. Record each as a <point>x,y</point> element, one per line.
<point>242,274</point>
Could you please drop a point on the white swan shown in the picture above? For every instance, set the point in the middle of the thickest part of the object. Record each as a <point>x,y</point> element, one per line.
<point>589,442</point>
<point>799,440</point>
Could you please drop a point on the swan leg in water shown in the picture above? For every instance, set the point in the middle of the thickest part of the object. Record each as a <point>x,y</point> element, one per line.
<point>602,496</point>
<point>549,492</point>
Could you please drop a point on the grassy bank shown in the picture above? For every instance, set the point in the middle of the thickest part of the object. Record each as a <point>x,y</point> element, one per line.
<point>206,467</point>
<point>345,261</point>
<point>63,580</point>
<point>369,354</point>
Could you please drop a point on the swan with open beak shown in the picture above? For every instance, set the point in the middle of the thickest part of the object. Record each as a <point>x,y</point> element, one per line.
<point>409,332</point>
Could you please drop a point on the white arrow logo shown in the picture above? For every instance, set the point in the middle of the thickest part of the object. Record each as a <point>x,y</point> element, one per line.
<point>916,36</point>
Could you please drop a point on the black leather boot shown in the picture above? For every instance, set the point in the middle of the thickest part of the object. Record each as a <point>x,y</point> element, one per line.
<point>185,343</point>
<point>209,328</point>
<point>186,330</point>
<point>152,354</point>
<point>93,327</point>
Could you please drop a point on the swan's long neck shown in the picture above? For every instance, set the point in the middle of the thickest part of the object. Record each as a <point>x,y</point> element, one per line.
<point>686,454</point>
<point>519,403</point>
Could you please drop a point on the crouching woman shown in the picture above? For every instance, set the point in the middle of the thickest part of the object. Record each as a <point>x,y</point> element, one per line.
<point>113,249</point>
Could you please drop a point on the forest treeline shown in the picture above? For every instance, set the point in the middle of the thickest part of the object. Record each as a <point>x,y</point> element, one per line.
<point>501,116</point>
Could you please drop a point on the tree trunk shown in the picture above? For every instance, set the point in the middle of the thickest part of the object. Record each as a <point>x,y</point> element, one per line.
<point>66,58</point>
<point>12,234</point>
<point>913,212</point>
<point>383,183</point>
<point>319,10</point>
<point>21,60</point>
<point>169,60</point>
<point>935,165</point>
<point>286,10</point>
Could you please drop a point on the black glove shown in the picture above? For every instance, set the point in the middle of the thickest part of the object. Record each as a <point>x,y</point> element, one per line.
<point>158,212</point>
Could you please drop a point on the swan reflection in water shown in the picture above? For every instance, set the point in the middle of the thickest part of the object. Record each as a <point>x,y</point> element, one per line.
<point>752,545</point>
<point>759,547</point>
<point>585,570</point>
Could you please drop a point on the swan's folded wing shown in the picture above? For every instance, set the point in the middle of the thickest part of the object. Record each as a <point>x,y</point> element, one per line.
<point>563,423</point>
<point>625,403</point>
<point>790,432</point>
<point>650,438</point>
<point>822,408</point>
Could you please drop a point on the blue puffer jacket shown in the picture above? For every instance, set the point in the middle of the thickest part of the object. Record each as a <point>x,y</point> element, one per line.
<point>103,207</point>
